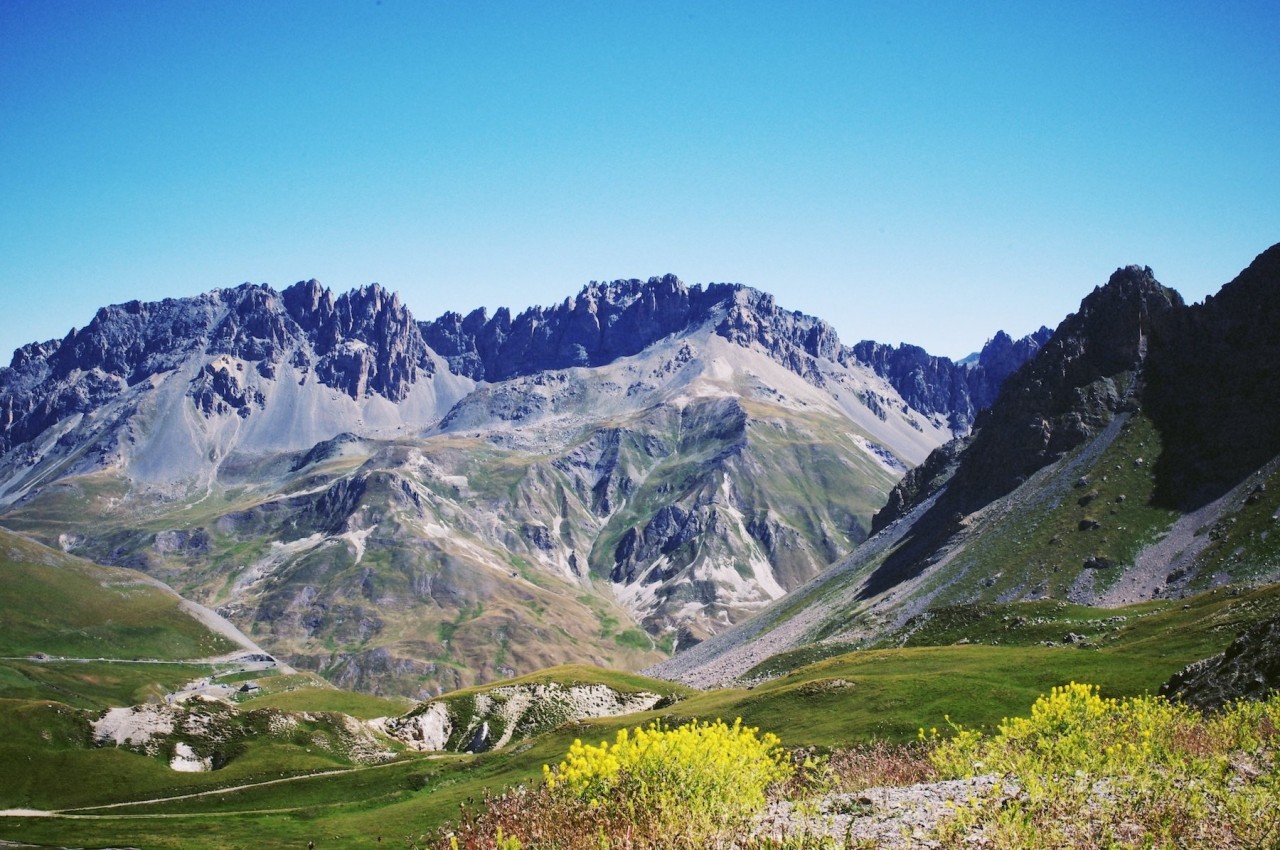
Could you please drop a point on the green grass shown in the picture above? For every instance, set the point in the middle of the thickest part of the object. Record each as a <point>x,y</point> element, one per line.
<point>890,694</point>
<point>793,659</point>
<point>1149,632</point>
<point>633,638</point>
<point>1042,548</point>
<point>583,674</point>
<point>94,684</point>
<point>851,697</point>
<point>364,706</point>
<point>89,611</point>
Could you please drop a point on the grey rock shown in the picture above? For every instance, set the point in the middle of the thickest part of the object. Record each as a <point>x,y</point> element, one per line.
<point>1248,669</point>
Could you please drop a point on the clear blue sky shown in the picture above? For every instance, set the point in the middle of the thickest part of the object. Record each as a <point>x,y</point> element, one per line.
<point>928,172</point>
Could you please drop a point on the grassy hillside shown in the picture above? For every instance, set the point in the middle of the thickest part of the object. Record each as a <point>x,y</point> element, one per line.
<point>60,605</point>
<point>976,664</point>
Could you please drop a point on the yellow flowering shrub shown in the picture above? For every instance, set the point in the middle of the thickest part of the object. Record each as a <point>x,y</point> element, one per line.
<point>1074,729</point>
<point>698,779</point>
<point>1135,772</point>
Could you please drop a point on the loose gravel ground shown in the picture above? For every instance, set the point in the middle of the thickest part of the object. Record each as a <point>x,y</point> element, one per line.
<point>894,818</point>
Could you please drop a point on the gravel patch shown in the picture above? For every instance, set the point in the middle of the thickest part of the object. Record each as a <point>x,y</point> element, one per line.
<point>902,818</point>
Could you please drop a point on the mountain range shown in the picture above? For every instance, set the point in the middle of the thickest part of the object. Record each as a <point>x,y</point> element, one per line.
<point>842,544</point>
<point>411,506</point>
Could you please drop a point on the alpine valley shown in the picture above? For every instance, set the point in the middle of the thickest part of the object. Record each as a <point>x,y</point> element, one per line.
<point>286,565</point>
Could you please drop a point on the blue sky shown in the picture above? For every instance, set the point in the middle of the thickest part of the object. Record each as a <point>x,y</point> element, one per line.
<point>921,172</point>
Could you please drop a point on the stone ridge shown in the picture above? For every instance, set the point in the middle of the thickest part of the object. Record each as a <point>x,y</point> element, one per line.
<point>606,321</point>
<point>602,323</point>
<point>937,385</point>
<point>1084,375</point>
<point>364,342</point>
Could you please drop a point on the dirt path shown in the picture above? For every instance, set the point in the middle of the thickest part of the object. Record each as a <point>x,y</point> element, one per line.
<point>85,811</point>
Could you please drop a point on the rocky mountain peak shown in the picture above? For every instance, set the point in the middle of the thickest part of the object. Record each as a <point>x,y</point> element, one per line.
<point>363,343</point>
<point>1110,332</point>
<point>366,341</point>
<point>1003,355</point>
<point>601,323</point>
<point>606,321</point>
<point>1086,372</point>
<point>937,386</point>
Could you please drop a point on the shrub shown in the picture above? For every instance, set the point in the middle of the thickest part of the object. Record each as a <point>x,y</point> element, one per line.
<point>1141,772</point>
<point>693,786</point>
<point>696,780</point>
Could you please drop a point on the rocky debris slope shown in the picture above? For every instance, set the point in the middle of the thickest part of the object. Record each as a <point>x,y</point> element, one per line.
<point>903,817</point>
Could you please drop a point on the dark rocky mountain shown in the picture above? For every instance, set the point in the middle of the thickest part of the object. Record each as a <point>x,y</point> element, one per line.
<point>937,385</point>
<point>1088,372</point>
<point>1136,456</point>
<point>1213,387</point>
<point>361,343</point>
<point>1206,373</point>
<point>606,321</point>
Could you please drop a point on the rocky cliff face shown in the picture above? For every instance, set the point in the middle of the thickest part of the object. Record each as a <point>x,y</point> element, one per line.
<point>1213,386</point>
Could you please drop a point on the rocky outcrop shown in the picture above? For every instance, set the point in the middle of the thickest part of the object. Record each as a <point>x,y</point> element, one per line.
<point>1248,669</point>
<point>1205,374</point>
<point>364,342</point>
<point>505,715</point>
<point>920,482</point>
